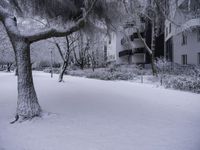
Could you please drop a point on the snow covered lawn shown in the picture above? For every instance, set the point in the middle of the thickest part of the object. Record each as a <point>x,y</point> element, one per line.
<point>88,114</point>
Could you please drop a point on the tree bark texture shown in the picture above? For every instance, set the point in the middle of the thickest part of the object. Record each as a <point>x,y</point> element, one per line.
<point>27,104</point>
<point>62,72</point>
<point>153,49</point>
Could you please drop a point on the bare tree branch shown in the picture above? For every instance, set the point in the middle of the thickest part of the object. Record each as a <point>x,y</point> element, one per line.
<point>52,32</point>
<point>3,13</point>
<point>162,10</point>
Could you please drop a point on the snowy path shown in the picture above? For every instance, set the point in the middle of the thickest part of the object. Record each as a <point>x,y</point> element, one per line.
<point>101,115</point>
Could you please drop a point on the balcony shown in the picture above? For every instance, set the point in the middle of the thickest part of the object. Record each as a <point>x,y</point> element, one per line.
<point>135,36</point>
<point>131,52</point>
<point>132,38</point>
<point>125,53</point>
<point>139,50</point>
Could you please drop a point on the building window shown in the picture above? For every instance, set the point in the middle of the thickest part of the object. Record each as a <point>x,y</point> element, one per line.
<point>184,39</point>
<point>132,37</point>
<point>166,32</point>
<point>184,59</point>
<point>198,35</point>
<point>170,28</point>
<point>123,41</point>
<point>109,41</point>
<point>105,52</point>
<point>198,58</point>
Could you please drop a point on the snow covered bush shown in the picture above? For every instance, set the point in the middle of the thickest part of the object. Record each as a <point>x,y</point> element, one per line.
<point>186,78</point>
<point>103,74</point>
<point>163,66</point>
<point>55,70</point>
<point>181,77</point>
<point>184,83</point>
<point>169,68</point>
<point>115,75</point>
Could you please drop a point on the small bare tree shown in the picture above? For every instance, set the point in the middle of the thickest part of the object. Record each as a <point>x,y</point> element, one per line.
<point>67,56</point>
<point>81,52</point>
<point>6,51</point>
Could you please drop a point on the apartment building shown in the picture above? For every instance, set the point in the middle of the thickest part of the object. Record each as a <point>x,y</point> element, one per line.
<point>125,47</point>
<point>182,32</point>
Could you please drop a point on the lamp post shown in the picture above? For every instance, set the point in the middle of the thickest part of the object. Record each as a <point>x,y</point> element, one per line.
<point>51,64</point>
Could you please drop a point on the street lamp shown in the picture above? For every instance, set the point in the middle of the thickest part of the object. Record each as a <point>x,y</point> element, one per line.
<point>51,64</point>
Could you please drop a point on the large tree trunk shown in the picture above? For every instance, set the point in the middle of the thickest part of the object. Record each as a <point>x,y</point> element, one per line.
<point>151,50</point>
<point>16,67</point>
<point>27,104</point>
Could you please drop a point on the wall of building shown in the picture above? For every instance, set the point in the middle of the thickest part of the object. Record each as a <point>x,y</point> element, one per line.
<point>174,33</point>
<point>111,47</point>
<point>115,46</point>
<point>191,49</point>
<point>139,58</point>
<point>119,47</point>
<point>129,45</point>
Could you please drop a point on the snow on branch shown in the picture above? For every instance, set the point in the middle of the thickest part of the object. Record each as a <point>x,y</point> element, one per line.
<point>53,32</point>
<point>3,13</point>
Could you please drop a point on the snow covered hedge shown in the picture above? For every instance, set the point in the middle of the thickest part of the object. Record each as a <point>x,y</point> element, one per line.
<point>168,68</point>
<point>184,83</point>
<point>185,78</point>
<point>116,75</point>
<point>103,74</point>
<point>112,72</point>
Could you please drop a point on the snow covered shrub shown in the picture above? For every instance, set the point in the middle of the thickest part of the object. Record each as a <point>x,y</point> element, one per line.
<point>184,83</point>
<point>41,65</point>
<point>113,67</point>
<point>130,69</point>
<point>188,70</point>
<point>107,75</point>
<point>55,70</point>
<point>79,73</point>
<point>169,68</point>
<point>181,77</point>
<point>163,66</point>
<point>112,72</point>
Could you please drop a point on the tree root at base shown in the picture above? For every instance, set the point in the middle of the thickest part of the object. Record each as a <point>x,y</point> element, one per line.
<point>22,119</point>
<point>16,119</point>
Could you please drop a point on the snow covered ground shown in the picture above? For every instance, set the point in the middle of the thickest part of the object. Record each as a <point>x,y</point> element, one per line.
<point>88,114</point>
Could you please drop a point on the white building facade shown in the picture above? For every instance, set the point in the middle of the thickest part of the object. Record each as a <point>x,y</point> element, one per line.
<point>125,47</point>
<point>182,32</point>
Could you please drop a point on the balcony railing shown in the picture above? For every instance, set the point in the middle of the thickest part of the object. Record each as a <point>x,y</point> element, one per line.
<point>132,37</point>
<point>131,52</point>
<point>125,53</point>
<point>139,50</point>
